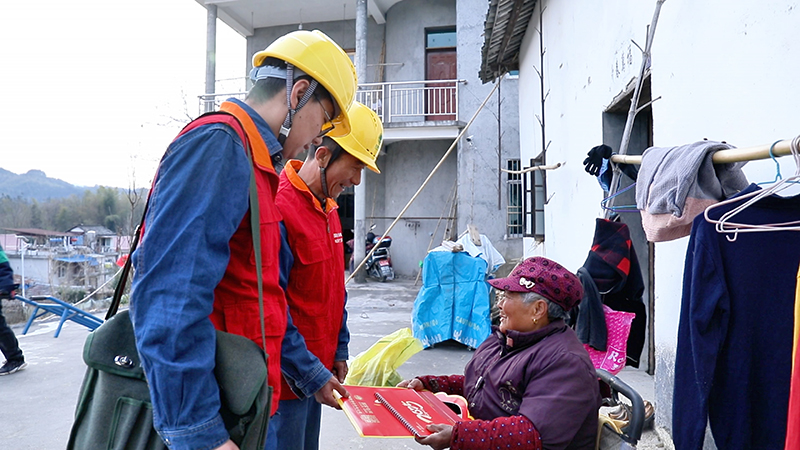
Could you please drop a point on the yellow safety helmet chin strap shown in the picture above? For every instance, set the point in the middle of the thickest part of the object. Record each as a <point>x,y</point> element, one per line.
<point>324,179</point>
<point>289,74</point>
<point>286,128</point>
<point>363,142</point>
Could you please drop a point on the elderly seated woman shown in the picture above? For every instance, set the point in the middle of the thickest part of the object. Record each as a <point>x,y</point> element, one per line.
<point>531,384</point>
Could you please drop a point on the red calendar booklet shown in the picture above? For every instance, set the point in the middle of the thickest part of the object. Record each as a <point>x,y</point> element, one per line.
<point>395,412</point>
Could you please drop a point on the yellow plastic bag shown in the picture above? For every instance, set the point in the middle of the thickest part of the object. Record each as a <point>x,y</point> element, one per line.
<point>377,366</point>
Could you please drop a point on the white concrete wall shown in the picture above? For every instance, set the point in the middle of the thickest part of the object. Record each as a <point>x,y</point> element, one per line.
<point>482,187</point>
<point>406,23</point>
<point>581,49</point>
<point>37,268</point>
<point>725,70</point>
<point>405,166</point>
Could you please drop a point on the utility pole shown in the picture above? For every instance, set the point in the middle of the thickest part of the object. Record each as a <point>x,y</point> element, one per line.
<point>360,200</point>
<point>22,249</point>
<point>211,57</point>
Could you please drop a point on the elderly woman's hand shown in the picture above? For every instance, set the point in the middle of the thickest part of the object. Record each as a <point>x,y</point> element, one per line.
<point>440,439</point>
<point>415,384</point>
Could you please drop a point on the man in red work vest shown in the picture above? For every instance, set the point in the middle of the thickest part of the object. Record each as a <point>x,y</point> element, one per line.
<point>315,291</point>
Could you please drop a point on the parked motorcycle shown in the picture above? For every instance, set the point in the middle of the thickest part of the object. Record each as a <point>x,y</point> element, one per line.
<point>379,265</point>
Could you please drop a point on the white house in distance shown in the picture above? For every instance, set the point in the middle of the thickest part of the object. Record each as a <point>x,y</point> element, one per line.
<point>96,238</point>
<point>83,257</point>
<point>722,70</point>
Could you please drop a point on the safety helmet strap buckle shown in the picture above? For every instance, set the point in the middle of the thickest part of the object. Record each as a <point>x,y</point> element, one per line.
<point>286,128</point>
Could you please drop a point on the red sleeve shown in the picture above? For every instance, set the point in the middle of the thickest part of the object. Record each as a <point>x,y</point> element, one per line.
<point>497,434</point>
<point>453,384</point>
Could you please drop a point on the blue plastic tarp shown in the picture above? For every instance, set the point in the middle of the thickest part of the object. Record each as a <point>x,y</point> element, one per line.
<point>79,259</point>
<point>454,300</point>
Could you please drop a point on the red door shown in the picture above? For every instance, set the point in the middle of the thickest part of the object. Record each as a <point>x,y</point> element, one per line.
<point>440,98</point>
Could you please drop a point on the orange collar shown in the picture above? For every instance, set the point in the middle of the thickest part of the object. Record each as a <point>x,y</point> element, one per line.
<point>290,169</point>
<point>260,151</point>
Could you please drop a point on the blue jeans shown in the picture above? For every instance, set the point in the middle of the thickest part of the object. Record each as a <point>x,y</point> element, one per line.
<point>295,426</point>
<point>8,342</point>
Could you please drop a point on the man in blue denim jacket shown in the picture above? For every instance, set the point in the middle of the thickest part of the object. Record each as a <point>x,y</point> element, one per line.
<point>195,268</point>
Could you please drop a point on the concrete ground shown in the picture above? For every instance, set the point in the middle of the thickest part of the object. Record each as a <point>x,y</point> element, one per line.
<point>39,402</point>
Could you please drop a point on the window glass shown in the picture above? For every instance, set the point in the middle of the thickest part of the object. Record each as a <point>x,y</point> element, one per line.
<point>539,231</point>
<point>441,39</point>
<point>514,200</point>
<point>533,204</point>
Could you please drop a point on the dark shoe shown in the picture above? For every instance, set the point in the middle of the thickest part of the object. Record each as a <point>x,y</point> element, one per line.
<point>10,367</point>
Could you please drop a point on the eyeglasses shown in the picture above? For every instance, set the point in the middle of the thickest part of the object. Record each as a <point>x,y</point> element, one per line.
<point>328,126</point>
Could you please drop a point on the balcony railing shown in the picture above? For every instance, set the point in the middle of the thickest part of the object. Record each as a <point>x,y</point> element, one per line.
<point>412,101</point>
<point>212,102</point>
<point>395,102</point>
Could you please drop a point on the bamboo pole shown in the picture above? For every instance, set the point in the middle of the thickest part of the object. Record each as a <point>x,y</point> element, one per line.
<point>781,148</point>
<point>450,197</point>
<point>634,108</point>
<point>424,183</point>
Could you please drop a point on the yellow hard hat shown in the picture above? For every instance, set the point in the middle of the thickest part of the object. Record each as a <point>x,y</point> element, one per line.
<point>316,54</point>
<point>364,141</point>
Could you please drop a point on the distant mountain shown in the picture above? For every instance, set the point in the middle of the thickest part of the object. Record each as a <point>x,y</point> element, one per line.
<point>35,184</point>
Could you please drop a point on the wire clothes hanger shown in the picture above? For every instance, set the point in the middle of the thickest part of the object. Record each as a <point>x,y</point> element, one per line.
<point>778,175</point>
<point>620,208</point>
<point>724,225</point>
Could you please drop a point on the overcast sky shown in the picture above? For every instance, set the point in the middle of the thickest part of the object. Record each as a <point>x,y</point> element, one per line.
<point>90,87</point>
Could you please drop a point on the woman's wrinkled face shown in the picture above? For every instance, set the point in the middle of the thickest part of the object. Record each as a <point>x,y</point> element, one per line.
<point>514,313</point>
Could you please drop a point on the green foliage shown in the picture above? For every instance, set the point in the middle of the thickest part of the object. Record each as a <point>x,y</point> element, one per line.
<point>112,222</point>
<point>36,215</point>
<point>106,202</point>
<point>115,209</point>
<point>70,295</point>
<point>14,212</point>
<point>64,218</point>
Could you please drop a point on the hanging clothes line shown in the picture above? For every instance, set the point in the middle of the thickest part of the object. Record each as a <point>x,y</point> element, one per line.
<point>781,148</point>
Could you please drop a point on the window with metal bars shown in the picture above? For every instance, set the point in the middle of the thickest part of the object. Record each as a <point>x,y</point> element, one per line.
<point>514,200</point>
<point>533,202</point>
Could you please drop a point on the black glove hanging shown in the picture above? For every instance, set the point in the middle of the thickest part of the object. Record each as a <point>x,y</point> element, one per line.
<point>594,160</point>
